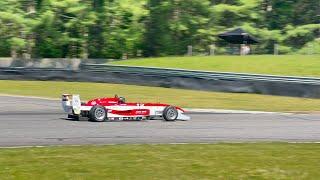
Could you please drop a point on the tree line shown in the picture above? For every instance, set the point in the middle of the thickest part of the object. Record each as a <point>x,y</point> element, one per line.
<point>114,28</point>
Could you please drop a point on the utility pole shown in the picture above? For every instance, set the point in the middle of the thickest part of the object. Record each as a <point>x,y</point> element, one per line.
<point>318,17</point>
<point>212,48</point>
<point>276,49</point>
<point>189,50</point>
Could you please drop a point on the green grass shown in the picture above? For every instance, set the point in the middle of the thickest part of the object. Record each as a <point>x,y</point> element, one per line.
<point>179,97</point>
<point>193,161</point>
<point>293,65</point>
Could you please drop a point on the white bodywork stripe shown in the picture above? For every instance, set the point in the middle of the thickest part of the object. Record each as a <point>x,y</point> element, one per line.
<point>154,111</point>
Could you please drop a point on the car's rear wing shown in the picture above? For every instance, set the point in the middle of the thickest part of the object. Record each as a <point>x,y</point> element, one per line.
<point>71,103</point>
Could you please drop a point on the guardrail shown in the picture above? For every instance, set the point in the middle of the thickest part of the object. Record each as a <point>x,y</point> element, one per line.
<point>177,78</point>
<point>208,75</point>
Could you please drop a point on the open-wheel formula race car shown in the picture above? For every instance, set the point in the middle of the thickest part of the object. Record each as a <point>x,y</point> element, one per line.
<point>116,108</point>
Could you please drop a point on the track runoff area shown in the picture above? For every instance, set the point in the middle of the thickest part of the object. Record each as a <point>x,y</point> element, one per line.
<point>26,121</point>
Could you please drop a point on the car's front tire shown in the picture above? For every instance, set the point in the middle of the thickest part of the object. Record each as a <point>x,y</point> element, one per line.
<point>98,113</point>
<point>170,113</point>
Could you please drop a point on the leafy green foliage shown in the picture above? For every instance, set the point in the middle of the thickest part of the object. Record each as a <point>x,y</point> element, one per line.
<point>111,29</point>
<point>173,25</point>
<point>312,47</point>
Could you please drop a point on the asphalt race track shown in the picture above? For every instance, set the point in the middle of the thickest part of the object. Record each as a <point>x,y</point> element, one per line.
<point>32,121</point>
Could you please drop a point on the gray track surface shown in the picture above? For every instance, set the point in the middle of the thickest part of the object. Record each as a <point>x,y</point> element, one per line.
<point>31,121</point>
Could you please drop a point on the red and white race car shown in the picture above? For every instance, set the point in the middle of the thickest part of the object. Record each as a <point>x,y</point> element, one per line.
<point>116,108</point>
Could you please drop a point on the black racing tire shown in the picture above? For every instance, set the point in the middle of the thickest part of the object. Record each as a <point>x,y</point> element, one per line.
<point>70,116</point>
<point>170,113</point>
<point>98,114</point>
<point>74,117</point>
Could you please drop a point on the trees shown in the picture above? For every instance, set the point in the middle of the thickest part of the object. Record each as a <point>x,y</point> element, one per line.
<point>74,17</point>
<point>16,27</point>
<point>174,24</point>
<point>51,40</point>
<point>111,29</point>
<point>123,27</point>
<point>272,21</point>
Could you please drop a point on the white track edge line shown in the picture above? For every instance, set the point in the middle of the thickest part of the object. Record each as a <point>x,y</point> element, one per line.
<point>154,144</point>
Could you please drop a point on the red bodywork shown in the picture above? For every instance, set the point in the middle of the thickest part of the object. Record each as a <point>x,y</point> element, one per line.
<point>116,102</point>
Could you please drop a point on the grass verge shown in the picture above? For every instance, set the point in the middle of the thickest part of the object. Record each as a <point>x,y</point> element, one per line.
<point>179,97</point>
<point>193,161</point>
<point>292,65</point>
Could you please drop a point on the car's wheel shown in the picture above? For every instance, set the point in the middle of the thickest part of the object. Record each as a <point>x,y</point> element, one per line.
<point>170,113</point>
<point>73,117</point>
<point>98,113</point>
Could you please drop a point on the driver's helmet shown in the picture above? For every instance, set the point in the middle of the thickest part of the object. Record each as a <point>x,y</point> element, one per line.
<point>122,100</point>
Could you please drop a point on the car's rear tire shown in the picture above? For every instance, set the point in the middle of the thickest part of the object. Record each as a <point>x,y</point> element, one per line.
<point>170,113</point>
<point>98,113</point>
<point>74,117</point>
